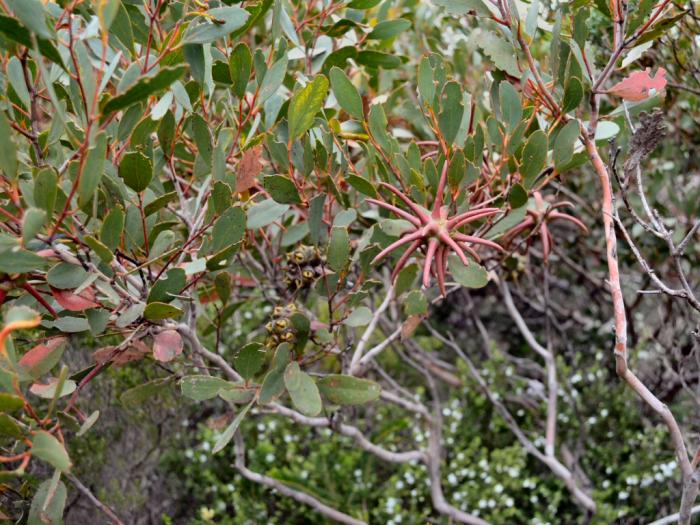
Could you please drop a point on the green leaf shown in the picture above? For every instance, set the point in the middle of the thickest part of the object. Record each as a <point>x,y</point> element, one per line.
<point>389,29</point>
<point>564,144</point>
<point>316,218</point>
<point>273,383</point>
<point>32,222</point>
<point>8,150</point>
<point>472,276</point>
<point>45,187</point>
<point>144,88</point>
<point>229,228</point>
<point>33,15</point>
<point>112,228</point>
<point>137,396</point>
<point>338,249</point>
<point>48,448</point>
<point>345,93</point>
<point>106,12</point>
<point>501,53</point>
<point>415,303</point>
<point>450,117</point>
<point>66,276</point>
<point>462,7</point>
<point>20,261</point>
<point>88,423</point>
<point>303,390</point>
<point>136,170</point>
<point>203,387</point>
<point>510,106</point>
<point>9,427</point>
<point>166,133</point>
<point>377,59</point>
<point>227,434</point>
<point>249,360</point>
<point>362,185</point>
<point>363,4</point>
<point>304,105</point>
<point>281,189</point>
<point>517,196</point>
<point>168,286</point>
<point>264,213</point>
<point>220,23</point>
<point>48,504</point>
<point>12,29</point>
<point>102,251</point>
<point>573,94</point>
<point>222,259</point>
<point>10,403</point>
<point>273,79</point>
<point>359,317</point>
<point>348,390</point>
<point>92,170</point>
<point>159,203</point>
<point>158,311</point>
<point>240,63</point>
<point>534,157</point>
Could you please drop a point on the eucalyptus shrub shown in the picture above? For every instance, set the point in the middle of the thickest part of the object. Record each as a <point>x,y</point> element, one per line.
<point>340,214</point>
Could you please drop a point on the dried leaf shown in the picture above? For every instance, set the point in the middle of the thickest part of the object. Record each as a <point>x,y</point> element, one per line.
<point>249,168</point>
<point>639,85</point>
<point>649,133</point>
<point>167,345</point>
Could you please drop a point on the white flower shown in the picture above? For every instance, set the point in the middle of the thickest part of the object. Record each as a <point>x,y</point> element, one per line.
<point>623,495</point>
<point>510,502</point>
<point>270,457</point>
<point>399,485</point>
<point>452,479</point>
<point>498,488</point>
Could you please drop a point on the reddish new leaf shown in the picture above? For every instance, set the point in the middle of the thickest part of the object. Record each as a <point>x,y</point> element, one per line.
<point>167,345</point>
<point>639,85</point>
<point>75,302</point>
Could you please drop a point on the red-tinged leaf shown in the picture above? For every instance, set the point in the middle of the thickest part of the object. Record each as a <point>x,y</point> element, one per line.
<point>41,352</point>
<point>639,85</point>
<point>167,345</point>
<point>75,302</point>
<point>48,390</point>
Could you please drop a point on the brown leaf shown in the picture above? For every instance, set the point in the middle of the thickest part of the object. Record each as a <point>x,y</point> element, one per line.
<point>409,326</point>
<point>638,86</point>
<point>646,138</point>
<point>138,350</point>
<point>167,345</point>
<point>249,167</point>
<point>75,302</point>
